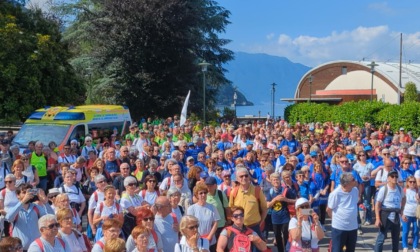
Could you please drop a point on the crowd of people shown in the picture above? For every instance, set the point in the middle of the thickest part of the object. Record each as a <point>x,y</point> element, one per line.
<point>194,187</point>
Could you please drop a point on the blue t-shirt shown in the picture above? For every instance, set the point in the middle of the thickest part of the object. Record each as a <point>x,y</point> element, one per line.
<point>293,144</point>
<point>112,166</point>
<point>304,190</point>
<point>279,212</point>
<point>335,176</point>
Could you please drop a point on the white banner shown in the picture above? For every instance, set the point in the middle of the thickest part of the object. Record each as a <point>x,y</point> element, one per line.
<point>184,110</point>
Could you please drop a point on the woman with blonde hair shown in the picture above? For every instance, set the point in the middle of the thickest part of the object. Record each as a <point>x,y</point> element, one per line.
<point>408,216</point>
<point>191,240</point>
<point>29,170</point>
<point>73,238</point>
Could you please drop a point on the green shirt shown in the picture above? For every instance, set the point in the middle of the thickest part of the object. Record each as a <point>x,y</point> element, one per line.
<point>215,201</point>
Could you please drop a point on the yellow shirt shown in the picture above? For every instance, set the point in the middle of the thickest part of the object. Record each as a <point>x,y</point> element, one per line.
<point>252,206</point>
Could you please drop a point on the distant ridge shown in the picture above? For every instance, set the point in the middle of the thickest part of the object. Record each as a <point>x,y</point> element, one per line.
<point>253,75</point>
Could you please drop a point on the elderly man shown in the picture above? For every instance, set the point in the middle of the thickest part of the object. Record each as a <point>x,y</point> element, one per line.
<point>165,223</point>
<point>389,204</point>
<point>25,214</point>
<point>118,182</point>
<point>252,199</point>
<point>112,163</point>
<point>342,208</point>
<point>49,242</point>
<point>39,160</point>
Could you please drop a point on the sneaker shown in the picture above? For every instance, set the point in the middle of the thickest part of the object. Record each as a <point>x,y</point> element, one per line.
<point>359,231</point>
<point>367,223</point>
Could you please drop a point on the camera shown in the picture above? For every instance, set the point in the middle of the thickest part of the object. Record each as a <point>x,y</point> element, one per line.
<point>34,192</point>
<point>307,211</point>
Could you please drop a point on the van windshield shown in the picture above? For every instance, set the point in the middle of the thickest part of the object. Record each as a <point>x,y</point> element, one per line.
<point>40,132</point>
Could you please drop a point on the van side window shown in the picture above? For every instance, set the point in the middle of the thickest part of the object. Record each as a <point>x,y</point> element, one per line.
<point>78,132</point>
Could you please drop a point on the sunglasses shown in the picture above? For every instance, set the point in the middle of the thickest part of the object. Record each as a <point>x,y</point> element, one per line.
<point>304,207</point>
<point>237,216</point>
<point>411,181</point>
<point>343,162</point>
<point>132,184</point>
<point>385,154</point>
<point>8,181</point>
<point>394,176</point>
<point>54,225</point>
<point>149,219</point>
<point>193,227</point>
<point>244,176</point>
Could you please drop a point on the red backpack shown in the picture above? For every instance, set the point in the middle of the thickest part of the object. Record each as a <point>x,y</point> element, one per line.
<point>41,245</point>
<point>143,193</point>
<point>241,242</point>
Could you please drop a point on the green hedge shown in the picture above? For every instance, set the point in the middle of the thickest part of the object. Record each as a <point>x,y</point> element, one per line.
<point>406,115</point>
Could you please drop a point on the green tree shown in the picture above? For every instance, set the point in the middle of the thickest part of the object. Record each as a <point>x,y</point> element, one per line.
<point>410,94</point>
<point>34,69</point>
<point>148,51</point>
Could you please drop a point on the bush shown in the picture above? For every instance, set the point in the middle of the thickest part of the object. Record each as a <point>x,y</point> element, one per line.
<point>406,115</point>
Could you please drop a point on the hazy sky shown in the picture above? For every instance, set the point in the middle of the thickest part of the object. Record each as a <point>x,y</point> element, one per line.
<point>315,32</point>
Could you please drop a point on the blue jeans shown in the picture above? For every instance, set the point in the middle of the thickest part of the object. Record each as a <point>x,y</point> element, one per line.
<point>341,238</point>
<point>406,229</point>
<point>367,200</point>
<point>256,229</point>
<point>395,235</point>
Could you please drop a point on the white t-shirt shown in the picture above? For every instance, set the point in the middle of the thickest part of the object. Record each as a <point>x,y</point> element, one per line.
<point>391,200</point>
<point>75,194</point>
<point>130,245</point>
<point>77,244</point>
<point>10,198</point>
<point>128,201</point>
<point>382,176</point>
<point>165,228</point>
<point>363,170</point>
<point>92,201</point>
<point>107,211</point>
<point>344,208</point>
<point>307,233</point>
<point>149,197</point>
<point>182,246</point>
<point>417,174</point>
<point>410,203</point>
<point>206,215</point>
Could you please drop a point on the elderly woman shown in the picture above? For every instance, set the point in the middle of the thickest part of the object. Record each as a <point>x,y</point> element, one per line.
<point>305,229</point>
<point>8,198</point>
<point>80,167</point>
<point>364,169</point>
<point>228,234</point>
<point>408,216</point>
<point>77,199</point>
<point>73,238</point>
<point>141,236</point>
<point>226,185</point>
<point>131,202</point>
<point>107,209</point>
<point>29,170</point>
<point>174,196</point>
<point>206,214</point>
<point>48,227</point>
<point>17,169</point>
<point>191,240</point>
<point>153,169</point>
<point>146,219</point>
<point>62,201</point>
<point>111,229</point>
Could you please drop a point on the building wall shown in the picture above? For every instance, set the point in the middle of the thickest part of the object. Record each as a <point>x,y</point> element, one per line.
<point>357,77</point>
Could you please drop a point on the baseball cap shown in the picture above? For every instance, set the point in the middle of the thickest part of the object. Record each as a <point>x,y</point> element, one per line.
<point>392,173</point>
<point>190,158</point>
<point>190,144</point>
<point>117,143</point>
<point>204,175</point>
<point>367,148</point>
<point>401,129</point>
<point>313,153</point>
<point>211,181</point>
<point>300,202</point>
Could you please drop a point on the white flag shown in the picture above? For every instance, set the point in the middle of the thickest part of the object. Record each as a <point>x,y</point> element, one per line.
<point>184,109</point>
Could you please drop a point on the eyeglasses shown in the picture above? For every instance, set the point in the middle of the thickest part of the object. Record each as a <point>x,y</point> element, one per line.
<point>54,225</point>
<point>219,169</point>
<point>152,181</point>
<point>102,181</point>
<point>193,227</point>
<point>304,206</point>
<point>202,193</point>
<point>407,163</point>
<point>88,141</point>
<point>244,176</point>
<point>411,181</point>
<point>24,159</point>
<point>264,160</point>
<point>132,184</point>
<point>344,162</point>
<point>385,154</point>
<point>149,219</point>
<point>237,216</point>
<point>362,155</point>
<point>8,181</point>
<point>394,176</point>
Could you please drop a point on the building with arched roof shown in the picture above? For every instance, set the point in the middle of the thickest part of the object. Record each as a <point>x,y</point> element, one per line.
<point>341,81</point>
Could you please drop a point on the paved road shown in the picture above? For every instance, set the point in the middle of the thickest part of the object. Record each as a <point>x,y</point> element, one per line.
<point>365,242</point>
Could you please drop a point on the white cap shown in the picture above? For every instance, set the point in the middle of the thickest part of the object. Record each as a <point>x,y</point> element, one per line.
<point>300,201</point>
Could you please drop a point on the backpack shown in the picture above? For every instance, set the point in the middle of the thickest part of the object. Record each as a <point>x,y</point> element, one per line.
<point>101,207</point>
<point>220,195</point>
<point>100,244</point>
<point>41,245</point>
<point>64,190</point>
<point>241,242</point>
<point>399,190</point>
<point>291,206</point>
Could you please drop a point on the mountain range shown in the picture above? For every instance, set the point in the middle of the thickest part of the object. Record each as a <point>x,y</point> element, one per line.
<point>253,74</point>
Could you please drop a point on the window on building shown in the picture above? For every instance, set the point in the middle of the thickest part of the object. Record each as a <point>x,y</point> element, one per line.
<point>344,70</point>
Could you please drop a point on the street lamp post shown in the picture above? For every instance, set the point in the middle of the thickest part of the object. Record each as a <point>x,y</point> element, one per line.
<point>204,66</point>
<point>273,91</point>
<point>310,88</point>
<point>372,70</point>
<point>235,97</point>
